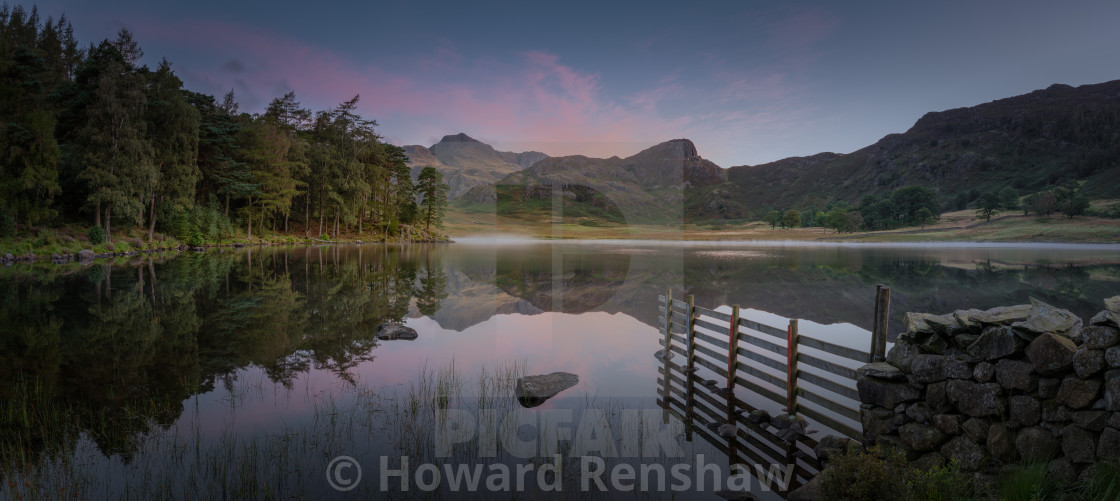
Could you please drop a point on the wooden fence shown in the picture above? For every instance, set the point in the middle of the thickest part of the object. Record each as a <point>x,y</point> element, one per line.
<point>764,360</point>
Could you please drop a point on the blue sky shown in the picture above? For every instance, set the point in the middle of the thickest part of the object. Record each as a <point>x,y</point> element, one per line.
<point>748,81</point>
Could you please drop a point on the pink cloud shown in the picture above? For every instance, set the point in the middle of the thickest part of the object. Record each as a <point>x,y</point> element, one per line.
<point>532,98</point>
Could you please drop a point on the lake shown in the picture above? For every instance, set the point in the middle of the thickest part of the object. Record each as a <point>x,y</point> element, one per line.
<point>248,372</point>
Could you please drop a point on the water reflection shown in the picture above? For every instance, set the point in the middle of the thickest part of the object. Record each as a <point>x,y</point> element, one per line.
<point>122,347</point>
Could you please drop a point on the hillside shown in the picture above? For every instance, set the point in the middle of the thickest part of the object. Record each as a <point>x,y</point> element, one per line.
<point>647,186</point>
<point>1028,142</point>
<point>467,162</point>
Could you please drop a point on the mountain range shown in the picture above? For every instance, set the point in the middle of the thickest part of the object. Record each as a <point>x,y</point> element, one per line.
<point>466,162</point>
<point>1028,142</point>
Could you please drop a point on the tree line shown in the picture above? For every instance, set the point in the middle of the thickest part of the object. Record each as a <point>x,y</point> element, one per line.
<point>89,134</point>
<point>909,206</point>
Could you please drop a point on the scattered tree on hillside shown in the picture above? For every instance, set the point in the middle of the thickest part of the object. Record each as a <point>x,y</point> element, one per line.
<point>1071,200</point>
<point>924,217</point>
<point>791,219</point>
<point>989,206</point>
<point>1009,198</point>
<point>1042,203</point>
<point>774,218</point>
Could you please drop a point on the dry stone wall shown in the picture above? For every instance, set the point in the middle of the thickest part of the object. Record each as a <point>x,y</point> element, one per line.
<point>1008,385</point>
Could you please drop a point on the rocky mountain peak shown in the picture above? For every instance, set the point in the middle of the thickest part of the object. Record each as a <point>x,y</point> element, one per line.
<point>458,138</point>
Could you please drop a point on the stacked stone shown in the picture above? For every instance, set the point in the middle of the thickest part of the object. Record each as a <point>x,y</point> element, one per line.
<point>989,388</point>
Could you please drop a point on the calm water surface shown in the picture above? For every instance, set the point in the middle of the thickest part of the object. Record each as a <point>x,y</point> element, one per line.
<point>198,375</point>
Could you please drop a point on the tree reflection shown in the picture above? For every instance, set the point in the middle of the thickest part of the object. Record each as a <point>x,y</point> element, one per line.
<point>115,349</point>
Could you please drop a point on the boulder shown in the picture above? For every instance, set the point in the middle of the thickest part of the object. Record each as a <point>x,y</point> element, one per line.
<point>1077,393</point>
<point>919,411</point>
<point>876,422</point>
<point>885,393</point>
<point>1112,356</point>
<point>956,368</point>
<point>936,396</point>
<point>946,325</point>
<point>1112,390</point>
<point>963,450</point>
<point>759,416</point>
<point>976,399</point>
<point>902,354</point>
<point>1092,420</point>
<point>784,421</point>
<point>1087,362</point>
<point>983,372</point>
<point>1108,444</point>
<point>921,437</point>
<point>934,344</point>
<point>1036,444</point>
<point>928,368</point>
<point>1051,354</point>
<point>727,431</point>
<point>1048,387</point>
<point>1101,318</point>
<point>1024,410</point>
<point>949,424</point>
<point>532,391</point>
<point>1078,444</point>
<point>1098,337</point>
<point>833,445</point>
<point>916,324</point>
<point>881,370</point>
<point>1015,375</point>
<point>1112,306</point>
<point>995,342</point>
<point>976,429</point>
<point>86,255</point>
<point>392,330</point>
<point>1052,412</point>
<point>962,340</point>
<point>1045,319</point>
<point>1001,443</point>
<point>1002,315</point>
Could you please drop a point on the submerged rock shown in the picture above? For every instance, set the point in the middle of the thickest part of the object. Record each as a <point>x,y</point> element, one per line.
<point>532,391</point>
<point>391,330</point>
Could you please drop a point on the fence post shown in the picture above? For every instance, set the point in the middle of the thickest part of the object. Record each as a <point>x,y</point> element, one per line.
<point>668,322</point>
<point>665,388</point>
<point>791,367</point>
<point>733,347</point>
<point>691,330</point>
<point>879,329</point>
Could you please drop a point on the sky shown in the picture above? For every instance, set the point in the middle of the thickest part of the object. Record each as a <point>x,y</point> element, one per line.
<point>748,82</point>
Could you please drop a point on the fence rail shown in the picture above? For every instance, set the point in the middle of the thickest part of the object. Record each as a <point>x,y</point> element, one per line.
<point>765,359</point>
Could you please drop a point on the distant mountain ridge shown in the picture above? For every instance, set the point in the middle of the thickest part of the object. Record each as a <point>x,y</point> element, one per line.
<point>467,162</point>
<point>646,186</point>
<point>1028,142</point>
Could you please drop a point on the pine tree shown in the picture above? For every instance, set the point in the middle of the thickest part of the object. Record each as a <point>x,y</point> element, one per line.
<point>433,193</point>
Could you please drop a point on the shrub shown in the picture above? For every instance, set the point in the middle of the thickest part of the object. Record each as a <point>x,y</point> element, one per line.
<point>876,473</point>
<point>1026,483</point>
<point>96,235</point>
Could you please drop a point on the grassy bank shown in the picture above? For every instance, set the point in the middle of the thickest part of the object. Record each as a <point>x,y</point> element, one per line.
<point>44,243</point>
<point>959,226</point>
